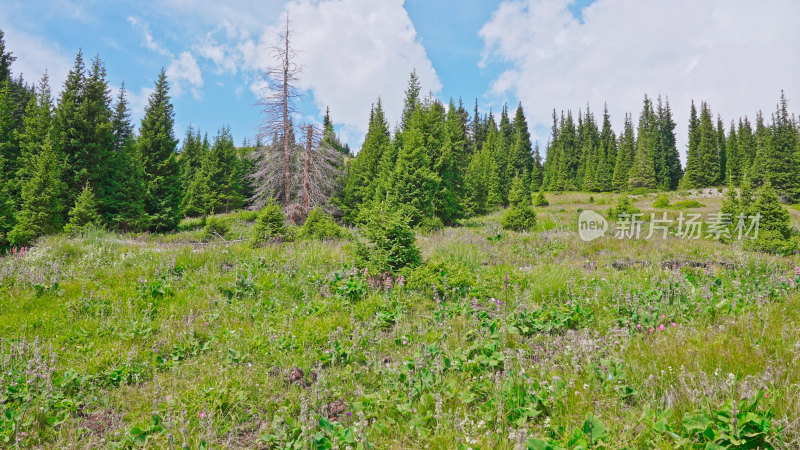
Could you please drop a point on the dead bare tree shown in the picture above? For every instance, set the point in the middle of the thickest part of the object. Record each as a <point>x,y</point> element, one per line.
<point>278,105</point>
<point>305,174</point>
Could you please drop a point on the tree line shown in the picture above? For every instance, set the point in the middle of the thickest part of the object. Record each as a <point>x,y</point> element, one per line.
<point>79,160</point>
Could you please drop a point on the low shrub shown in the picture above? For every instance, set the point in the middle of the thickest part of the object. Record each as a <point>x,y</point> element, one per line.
<point>624,206</point>
<point>270,224</point>
<point>321,225</point>
<point>519,218</point>
<point>215,227</point>
<point>540,200</point>
<point>661,202</point>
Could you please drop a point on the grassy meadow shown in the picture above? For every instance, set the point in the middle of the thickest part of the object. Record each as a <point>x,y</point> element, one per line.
<point>498,340</point>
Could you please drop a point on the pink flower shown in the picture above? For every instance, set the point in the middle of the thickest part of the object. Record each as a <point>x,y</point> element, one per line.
<point>169,397</point>
<point>797,270</point>
<point>404,342</point>
<point>638,326</point>
<point>203,415</point>
<point>661,327</point>
<point>663,316</point>
<point>674,324</point>
<point>651,330</point>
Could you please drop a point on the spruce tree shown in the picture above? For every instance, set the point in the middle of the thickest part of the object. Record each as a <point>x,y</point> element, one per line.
<point>607,155</point>
<point>6,208</point>
<point>643,173</point>
<point>125,208</point>
<point>363,170</point>
<point>733,176</point>
<point>157,144</point>
<point>537,172</point>
<point>722,150</point>
<point>413,185</point>
<point>220,172</point>
<point>6,58</point>
<point>625,156</point>
<point>707,150</point>
<point>41,208</point>
<point>745,147</point>
<point>693,175</point>
<point>778,162</point>
<point>36,125</point>
<point>666,141</point>
<point>84,214</point>
<point>521,150</point>
<point>7,144</point>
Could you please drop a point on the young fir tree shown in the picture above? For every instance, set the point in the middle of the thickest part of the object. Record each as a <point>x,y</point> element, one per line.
<point>35,128</point>
<point>745,147</point>
<point>517,195</point>
<point>643,173</point>
<point>778,162</point>
<point>7,146</point>
<point>84,214</point>
<point>537,171</point>
<point>693,175</point>
<point>41,208</point>
<point>607,155</point>
<point>625,156</point>
<point>449,207</point>
<point>363,170</point>
<point>126,200</point>
<point>191,155</point>
<point>707,150</point>
<point>722,151</point>
<point>774,217</point>
<point>6,208</point>
<point>157,144</point>
<point>673,172</point>
<point>221,174</point>
<point>733,176</point>
<point>521,150</point>
<point>413,185</point>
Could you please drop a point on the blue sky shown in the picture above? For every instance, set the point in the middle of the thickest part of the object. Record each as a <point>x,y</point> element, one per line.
<point>545,53</point>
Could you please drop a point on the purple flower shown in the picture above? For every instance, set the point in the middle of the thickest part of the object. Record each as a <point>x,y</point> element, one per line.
<point>348,413</point>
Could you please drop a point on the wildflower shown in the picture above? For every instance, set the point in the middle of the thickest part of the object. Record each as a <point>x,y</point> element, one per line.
<point>405,342</point>
<point>348,413</point>
<point>203,415</point>
<point>797,270</point>
<point>638,326</point>
<point>169,397</point>
<point>661,327</point>
<point>663,316</point>
<point>651,330</point>
<point>674,324</point>
<point>401,282</point>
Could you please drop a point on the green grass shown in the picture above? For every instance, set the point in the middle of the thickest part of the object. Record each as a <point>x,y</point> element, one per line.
<point>121,340</point>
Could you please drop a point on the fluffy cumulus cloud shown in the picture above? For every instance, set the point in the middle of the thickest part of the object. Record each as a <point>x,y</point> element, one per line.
<point>184,73</point>
<point>351,52</point>
<point>737,55</point>
<point>35,55</point>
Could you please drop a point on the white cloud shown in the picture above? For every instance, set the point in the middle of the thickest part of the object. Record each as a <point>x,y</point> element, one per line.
<point>351,52</point>
<point>184,72</point>
<point>35,56</point>
<point>737,55</point>
<point>148,41</point>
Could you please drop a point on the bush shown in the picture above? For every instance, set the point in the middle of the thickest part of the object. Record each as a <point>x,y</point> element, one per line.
<point>270,223</point>
<point>772,241</point>
<point>516,195</point>
<point>392,242</point>
<point>247,216</point>
<point>430,224</point>
<point>540,200</point>
<point>688,204</point>
<point>641,191</point>
<point>624,206</point>
<point>661,202</point>
<point>519,218</point>
<point>83,215</point>
<point>320,225</point>
<point>774,217</point>
<point>215,226</point>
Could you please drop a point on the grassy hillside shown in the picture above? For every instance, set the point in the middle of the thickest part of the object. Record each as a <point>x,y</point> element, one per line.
<point>499,340</point>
